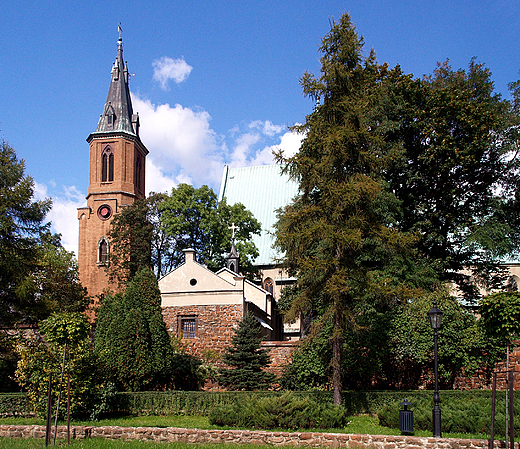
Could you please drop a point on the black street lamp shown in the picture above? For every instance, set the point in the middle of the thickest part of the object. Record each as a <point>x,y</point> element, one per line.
<point>435,316</point>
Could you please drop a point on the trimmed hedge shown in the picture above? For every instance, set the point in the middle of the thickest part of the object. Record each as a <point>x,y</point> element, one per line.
<point>15,404</point>
<point>201,403</point>
<point>469,412</point>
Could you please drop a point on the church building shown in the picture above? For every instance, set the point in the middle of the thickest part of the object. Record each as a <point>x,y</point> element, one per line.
<point>116,176</point>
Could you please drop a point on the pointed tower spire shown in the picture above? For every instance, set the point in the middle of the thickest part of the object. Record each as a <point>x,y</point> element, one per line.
<point>118,115</point>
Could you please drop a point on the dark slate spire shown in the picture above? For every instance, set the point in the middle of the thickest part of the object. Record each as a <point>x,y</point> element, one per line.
<point>118,115</point>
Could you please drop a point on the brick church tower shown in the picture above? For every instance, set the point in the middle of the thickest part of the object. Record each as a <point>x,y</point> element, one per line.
<point>116,177</point>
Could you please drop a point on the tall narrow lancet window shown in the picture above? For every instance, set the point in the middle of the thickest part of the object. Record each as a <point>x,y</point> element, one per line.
<point>138,173</point>
<point>107,165</point>
<point>102,251</point>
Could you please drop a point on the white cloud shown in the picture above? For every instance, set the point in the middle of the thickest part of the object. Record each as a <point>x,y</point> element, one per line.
<point>244,153</point>
<point>267,127</point>
<point>181,142</point>
<point>63,215</point>
<point>166,69</point>
<point>156,180</point>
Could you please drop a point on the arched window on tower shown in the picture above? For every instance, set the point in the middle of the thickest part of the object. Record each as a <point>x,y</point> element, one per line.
<point>102,251</point>
<point>107,165</point>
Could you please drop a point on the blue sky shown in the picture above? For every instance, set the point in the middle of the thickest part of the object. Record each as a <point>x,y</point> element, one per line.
<point>216,82</point>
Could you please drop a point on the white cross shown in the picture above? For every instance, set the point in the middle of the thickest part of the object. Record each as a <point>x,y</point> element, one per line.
<point>233,229</point>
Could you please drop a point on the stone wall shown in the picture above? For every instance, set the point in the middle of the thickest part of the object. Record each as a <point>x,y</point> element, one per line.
<point>478,381</point>
<point>280,353</point>
<point>197,436</point>
<point>214,329</point>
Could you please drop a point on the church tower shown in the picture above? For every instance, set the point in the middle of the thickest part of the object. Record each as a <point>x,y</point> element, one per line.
<point>116,177</point>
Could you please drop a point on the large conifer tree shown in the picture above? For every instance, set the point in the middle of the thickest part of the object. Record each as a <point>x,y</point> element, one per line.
<point>340,234</point>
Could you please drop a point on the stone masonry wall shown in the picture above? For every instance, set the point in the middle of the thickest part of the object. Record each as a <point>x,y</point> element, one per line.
<point>215,325</point>
<point>280,353</point>
<point>197,436</point>
<point>478,380</point>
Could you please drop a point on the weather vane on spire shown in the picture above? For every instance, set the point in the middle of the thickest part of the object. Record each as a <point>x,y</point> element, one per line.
<point>120,30</point>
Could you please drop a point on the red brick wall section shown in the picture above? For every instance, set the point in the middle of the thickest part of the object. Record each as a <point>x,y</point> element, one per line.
<point>215,325</point>
<point>197,436</point>
<point>478,381</point>
<point>280,353</point>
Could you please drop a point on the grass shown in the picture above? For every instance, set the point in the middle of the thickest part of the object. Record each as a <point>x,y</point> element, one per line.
<point>359,424</point>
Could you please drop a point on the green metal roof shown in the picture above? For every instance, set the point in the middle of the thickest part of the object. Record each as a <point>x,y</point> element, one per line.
<point>262,190</point>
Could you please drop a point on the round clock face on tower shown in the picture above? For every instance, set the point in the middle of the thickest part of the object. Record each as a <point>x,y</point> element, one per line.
<point>104,212</point>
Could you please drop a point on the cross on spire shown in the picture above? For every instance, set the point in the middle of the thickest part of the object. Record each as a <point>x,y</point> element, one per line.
<point>233,229</point>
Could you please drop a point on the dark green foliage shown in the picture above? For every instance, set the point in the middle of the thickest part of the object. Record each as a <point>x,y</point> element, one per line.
<point>246,358</point>
<point>340,236</point>
<point>467,413</point>
<point>193,219</point>
<point>38,359</point>
<point>403,184</point>
<point>454,170</point>
<point>8,361</point>
<point>37,276</point>
<point>130,242</point>
<point>286,411</point>
<point>131,341</point>
<point>15,404</point>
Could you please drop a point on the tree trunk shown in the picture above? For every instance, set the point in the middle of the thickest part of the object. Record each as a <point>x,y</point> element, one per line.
<point>337,342</point>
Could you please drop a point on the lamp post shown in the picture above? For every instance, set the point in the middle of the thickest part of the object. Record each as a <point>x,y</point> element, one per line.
<point>435,316</point>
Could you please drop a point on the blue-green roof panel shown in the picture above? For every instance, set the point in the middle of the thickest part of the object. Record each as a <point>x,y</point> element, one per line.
<point>262,190</point>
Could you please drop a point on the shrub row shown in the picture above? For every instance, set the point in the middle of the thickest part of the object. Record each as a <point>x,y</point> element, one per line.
<point>15,404</point>
<point>201,403</point>
<point>279,412</point>
<point>460,413</point>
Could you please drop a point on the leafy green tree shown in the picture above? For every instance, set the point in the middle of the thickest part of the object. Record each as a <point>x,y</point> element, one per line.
<point>39,358</point>
<point>130,242</point>
<point>246,359</point>
<point>194,219</point>
<point>131,338</point>
<point>454,170</point>
<point>500,314</point>
<point>463,346</point>
<point>21,228</point>
<point>340,234</point>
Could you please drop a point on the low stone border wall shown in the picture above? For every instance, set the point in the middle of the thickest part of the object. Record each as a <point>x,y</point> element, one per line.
<point>309,439</point>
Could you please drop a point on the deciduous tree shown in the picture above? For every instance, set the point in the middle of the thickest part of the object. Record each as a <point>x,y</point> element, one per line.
<point>194,219</point>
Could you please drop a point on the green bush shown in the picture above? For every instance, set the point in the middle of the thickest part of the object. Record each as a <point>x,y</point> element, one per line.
<point>460,413</point>
<point>279,412</point>
<point>15,404</point>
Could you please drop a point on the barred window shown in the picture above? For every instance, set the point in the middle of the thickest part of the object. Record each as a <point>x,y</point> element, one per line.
<point>188,326</point>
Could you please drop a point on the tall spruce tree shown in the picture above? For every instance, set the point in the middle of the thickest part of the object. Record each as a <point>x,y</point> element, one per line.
<point>340,234</point>
<point>246,359</point>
